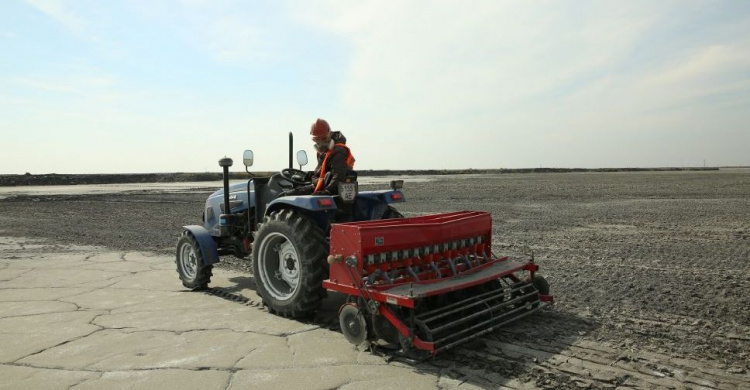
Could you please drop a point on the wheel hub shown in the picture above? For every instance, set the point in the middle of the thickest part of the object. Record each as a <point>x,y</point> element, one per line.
<point>188,261</point>
<point>279,266</point>
<point>290,264</point>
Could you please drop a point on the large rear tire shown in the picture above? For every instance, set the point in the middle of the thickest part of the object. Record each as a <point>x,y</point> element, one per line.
<point>194,274</point>
<point>289,263</point>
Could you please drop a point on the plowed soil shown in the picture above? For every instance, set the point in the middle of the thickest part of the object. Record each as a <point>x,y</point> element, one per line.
<point>650,270</point>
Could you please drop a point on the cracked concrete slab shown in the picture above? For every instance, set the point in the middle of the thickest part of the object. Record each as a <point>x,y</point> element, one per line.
<point>114,266</point>
<point>90,318</point>
<point>22,309</point>
<point>226,315</point>
<point>62,260</point>
<point>330,377</point>
<point>159,379</point>
<point>322,348</point>
<point>18,377</point>
<point>8,274</point>
<point>39,294</point>
<point>109,299</point>
<point>114,350</point>
<point>44,277</point>
<point>27,335</point>
<point>321,378</point>
<point>150,280</point>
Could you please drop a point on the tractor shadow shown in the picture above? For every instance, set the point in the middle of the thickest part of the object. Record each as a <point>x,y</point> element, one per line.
<point>242,289</point>
<point>516,353</point>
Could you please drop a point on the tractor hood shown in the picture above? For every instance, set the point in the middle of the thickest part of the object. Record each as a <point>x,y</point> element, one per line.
<point>233,188</point>
<point>238,202</point>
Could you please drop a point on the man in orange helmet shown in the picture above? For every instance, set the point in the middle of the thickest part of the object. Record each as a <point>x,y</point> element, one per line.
<point>334,157</point>
<point>334,161</point>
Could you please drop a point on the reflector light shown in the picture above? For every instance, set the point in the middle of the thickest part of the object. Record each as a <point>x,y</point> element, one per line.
<point>397,196</point>
<point>325,202</point>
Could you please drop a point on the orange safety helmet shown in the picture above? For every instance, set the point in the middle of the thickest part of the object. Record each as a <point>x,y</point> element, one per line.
<point>320,131</point>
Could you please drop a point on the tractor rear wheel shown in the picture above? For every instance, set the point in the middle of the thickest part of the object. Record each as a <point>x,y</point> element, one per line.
<point>289,263</point>
<point>194,274</point>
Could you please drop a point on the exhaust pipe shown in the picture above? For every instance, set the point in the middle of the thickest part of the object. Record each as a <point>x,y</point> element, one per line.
<point>225,218</point>
<point>291,146</point>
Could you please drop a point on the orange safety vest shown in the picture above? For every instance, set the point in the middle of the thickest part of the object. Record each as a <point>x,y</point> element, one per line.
<point>349,163</point>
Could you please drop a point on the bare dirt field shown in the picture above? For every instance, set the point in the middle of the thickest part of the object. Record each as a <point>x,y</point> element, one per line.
<point>650,270</point>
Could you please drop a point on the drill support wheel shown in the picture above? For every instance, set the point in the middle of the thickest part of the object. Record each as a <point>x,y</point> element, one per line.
<point>353,323</point>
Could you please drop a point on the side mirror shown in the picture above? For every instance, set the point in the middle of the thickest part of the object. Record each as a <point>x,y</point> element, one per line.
<point>397,184</point>
<point>247,158</point>
<point>302,158</point>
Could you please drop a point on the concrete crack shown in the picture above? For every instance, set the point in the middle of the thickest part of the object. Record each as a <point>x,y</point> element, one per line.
<point>293,350</point>
<point>38,314</point>
<point>250,352</point>
<point>287,334</point>
<point>57,345</point>
<point>19,275</point>
<point>230,379</point>
<point>196,369</point>
<point>99,377</point>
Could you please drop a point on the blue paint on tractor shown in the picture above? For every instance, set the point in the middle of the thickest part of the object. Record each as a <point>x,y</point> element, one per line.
<point>205,242</point>
<point>369,205</point>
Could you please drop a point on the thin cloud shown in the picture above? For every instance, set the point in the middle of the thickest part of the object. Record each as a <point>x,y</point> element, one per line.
<point>59,10</point>
<point>530,74</point>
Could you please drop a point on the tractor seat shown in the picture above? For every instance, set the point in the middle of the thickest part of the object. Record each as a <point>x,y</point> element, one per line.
<point>275,187</point>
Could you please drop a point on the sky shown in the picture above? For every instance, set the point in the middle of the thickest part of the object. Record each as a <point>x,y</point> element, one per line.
<point>90,86</point>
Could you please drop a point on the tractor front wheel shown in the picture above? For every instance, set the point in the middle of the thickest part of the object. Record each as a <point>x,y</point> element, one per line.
<point>194,274</point>
<point>289,263</point>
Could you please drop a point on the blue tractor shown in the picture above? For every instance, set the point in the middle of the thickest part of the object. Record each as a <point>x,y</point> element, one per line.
<point>285,237</point>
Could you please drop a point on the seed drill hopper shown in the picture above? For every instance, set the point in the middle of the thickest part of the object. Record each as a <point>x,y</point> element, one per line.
<point>429,282</point>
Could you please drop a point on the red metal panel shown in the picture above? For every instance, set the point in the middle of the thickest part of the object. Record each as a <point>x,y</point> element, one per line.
<point>345,241</point>
<point>359,239</point>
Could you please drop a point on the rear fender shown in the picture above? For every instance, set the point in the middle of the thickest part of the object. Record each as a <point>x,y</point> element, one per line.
<point>205,242</point>
<point>307,204</point>
<point>385,196</point>
<point>369,205</point>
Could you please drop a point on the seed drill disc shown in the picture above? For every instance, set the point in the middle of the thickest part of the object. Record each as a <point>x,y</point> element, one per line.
<point>353,324</point>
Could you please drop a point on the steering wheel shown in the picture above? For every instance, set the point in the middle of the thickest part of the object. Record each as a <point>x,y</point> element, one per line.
<point>294,175</point>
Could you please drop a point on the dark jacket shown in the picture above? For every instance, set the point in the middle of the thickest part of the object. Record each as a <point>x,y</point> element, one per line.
<point>336,165</point>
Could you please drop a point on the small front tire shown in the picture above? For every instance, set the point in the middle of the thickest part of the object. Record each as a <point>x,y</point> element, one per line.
<point>194,274</point>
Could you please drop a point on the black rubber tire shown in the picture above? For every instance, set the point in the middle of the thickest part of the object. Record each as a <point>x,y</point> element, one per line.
<point>194,274</point>
<point>541,284</point>
<point>308,241</point>
<point>391,213</point>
